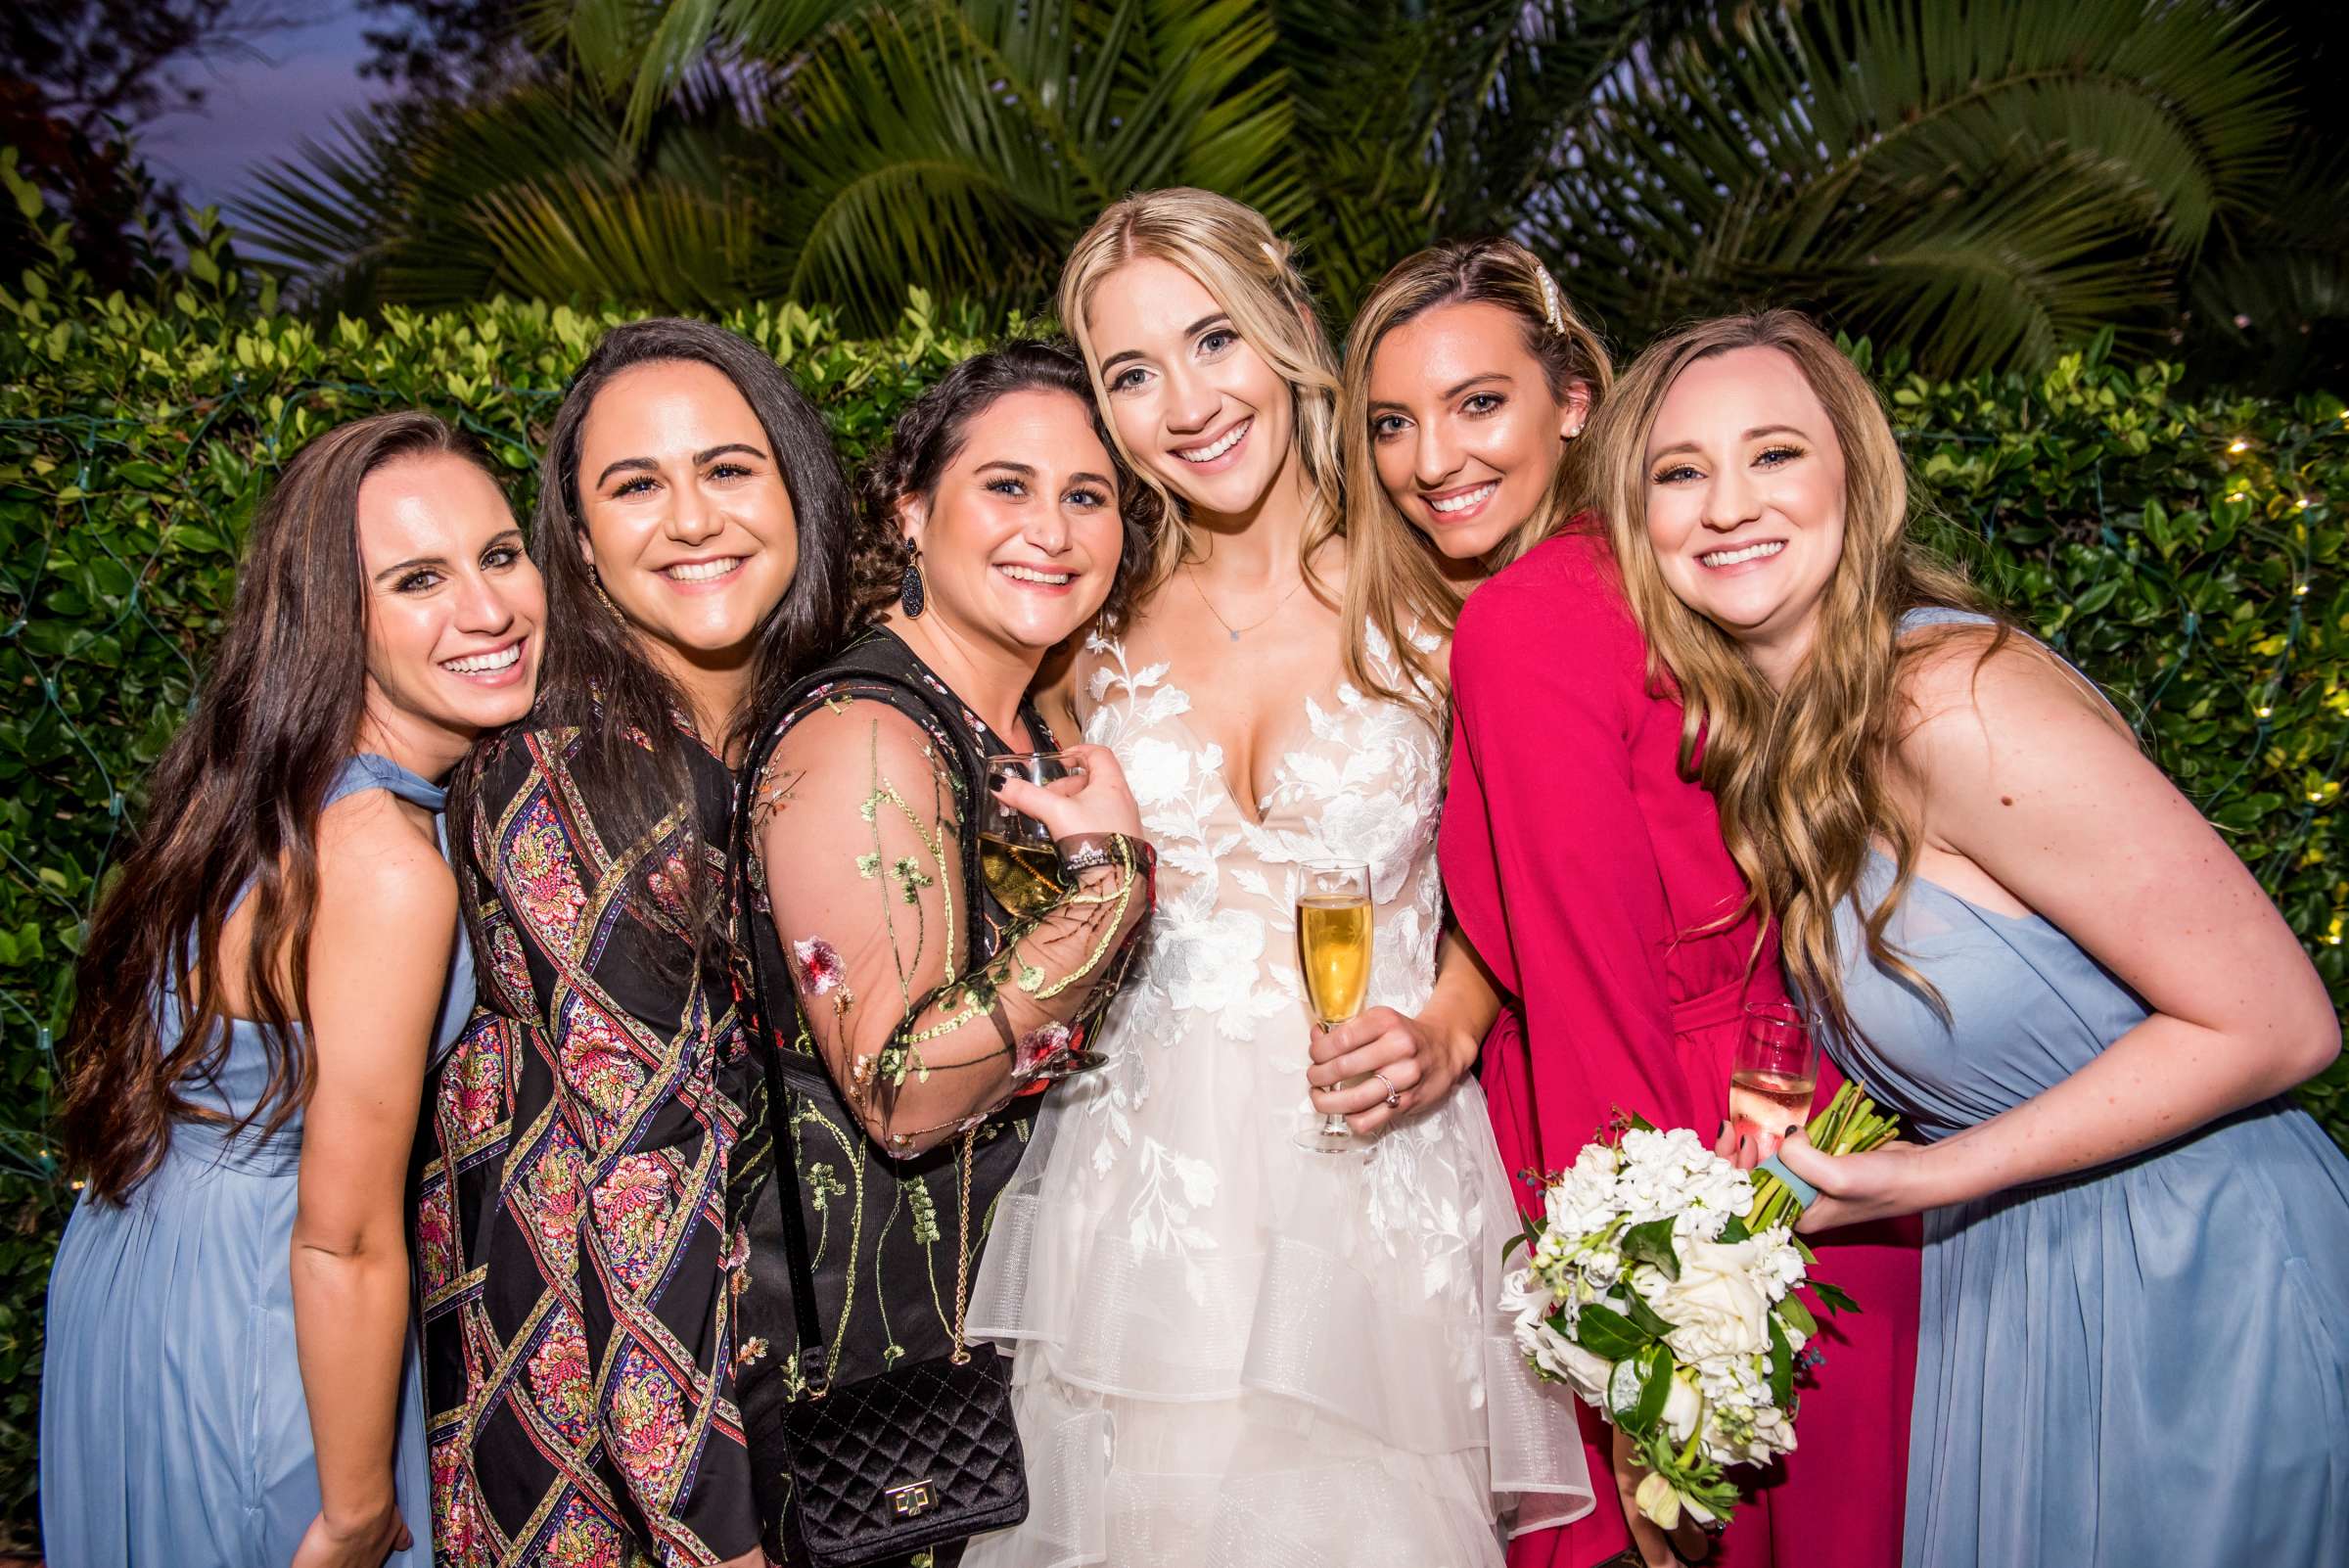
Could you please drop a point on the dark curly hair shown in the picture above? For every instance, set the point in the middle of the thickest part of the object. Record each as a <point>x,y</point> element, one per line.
<point>929,436</point>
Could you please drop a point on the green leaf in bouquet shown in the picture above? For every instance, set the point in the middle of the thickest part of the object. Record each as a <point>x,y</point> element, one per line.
<point>1523,1238</point>
<point>1642,1315</point>
<point>1637,1123</point>
<point>1781,1365</point>
<point>1651,1243</point>
<point>1798,1317</point>
<point>1656,1386</point>
<point>1608,1334</point>
<point>1734,1231</point>
<point>1833,1299</point>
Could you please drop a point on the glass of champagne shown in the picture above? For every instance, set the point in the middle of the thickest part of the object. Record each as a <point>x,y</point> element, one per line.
<point>1333,950</point>
<point>1774,1077</point>
<point>1021,863</point>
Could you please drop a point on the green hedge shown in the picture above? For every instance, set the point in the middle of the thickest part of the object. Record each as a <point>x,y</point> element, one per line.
<point>2188,555</point>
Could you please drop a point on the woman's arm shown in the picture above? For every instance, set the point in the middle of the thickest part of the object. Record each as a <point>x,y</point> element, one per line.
<point>2024,775</point>
<point>861,845</point>
<point>379,953</point>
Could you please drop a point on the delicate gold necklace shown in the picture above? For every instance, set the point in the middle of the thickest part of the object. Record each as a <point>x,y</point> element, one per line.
<point>1190,576</point>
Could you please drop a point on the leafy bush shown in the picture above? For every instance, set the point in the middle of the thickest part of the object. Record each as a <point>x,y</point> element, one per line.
<point>2188,555</point>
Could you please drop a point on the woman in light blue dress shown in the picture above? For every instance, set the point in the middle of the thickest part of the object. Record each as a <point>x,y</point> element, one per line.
<point>2134,1346</point>
<point>231,1378</point>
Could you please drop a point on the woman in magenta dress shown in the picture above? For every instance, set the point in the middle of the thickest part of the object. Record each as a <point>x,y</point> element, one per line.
<point>1583,866</point>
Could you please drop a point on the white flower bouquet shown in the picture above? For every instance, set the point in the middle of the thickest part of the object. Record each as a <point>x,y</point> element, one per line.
<point>1659,1284</point>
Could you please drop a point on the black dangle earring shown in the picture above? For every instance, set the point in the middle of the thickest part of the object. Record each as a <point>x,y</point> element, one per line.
<point>913,595</point>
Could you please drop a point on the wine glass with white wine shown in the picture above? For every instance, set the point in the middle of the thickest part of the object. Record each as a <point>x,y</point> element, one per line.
<point>1333,950</point>
<point>1019,862</point>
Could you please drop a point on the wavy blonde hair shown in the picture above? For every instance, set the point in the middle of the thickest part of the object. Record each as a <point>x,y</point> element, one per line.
<point>1801,775</point>
<point>1393,581</point>
<point>1236,257</point>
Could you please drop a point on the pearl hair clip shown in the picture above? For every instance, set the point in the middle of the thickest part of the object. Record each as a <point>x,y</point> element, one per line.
<point>1553,308</point>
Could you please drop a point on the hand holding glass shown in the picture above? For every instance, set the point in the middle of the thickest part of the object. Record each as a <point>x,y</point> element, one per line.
<point>1019,862</point>
<point>1333,950</point>
<point>1773,1078</point>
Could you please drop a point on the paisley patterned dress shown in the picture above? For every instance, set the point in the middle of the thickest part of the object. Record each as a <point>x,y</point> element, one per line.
<point>904,972</point>
<point>571,1228</point>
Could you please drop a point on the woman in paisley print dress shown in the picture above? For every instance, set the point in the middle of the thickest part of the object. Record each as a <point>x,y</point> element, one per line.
<point>1469,377</point>
<point>694,530</point>
<point>1228,1349</point>
<point>996,524</point>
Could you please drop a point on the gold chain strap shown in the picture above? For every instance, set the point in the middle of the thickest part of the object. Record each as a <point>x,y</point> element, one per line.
<point>962,1251</point>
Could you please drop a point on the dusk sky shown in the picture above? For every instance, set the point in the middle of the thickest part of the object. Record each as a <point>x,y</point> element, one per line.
<point>262,108</point>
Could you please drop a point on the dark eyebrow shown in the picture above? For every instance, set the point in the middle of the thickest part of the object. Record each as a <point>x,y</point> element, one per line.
<point>410,566</point>
<point>1021,469</point>
<point>499,538</point>
<point>1448,392</point>
<point>1193,331</point>
<point>1101,479</point>
<point>648,466</point>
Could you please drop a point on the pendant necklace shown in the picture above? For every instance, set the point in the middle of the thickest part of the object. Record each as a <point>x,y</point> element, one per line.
<point>1190,577</point>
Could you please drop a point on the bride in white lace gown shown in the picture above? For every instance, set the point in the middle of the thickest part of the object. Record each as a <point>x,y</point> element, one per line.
<point>1227,1351</point>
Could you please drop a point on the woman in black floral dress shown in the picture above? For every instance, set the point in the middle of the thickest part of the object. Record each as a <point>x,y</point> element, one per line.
<point>579,1340</point>
<point>997,524</point>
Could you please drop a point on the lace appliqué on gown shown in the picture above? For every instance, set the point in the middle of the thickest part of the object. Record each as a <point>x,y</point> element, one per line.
<point>1223,1342</point>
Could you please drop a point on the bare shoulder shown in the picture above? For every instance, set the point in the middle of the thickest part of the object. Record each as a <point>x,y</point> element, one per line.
<point>376,854</point>
<point>1983,707</point>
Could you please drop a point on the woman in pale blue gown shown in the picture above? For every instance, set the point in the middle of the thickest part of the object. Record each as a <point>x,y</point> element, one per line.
<point>2014,931</point>
<point>230,1377</point>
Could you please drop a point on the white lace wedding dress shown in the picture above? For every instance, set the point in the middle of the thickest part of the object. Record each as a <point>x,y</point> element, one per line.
<point>1230,1353</point>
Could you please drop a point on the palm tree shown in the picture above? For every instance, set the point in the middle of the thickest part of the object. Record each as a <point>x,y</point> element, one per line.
<point>1982,183</point>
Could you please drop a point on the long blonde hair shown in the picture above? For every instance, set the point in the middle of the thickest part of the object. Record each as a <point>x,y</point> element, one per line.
<point>1236,257</point>
<point>1392,579</point>
<point>1801,775</point>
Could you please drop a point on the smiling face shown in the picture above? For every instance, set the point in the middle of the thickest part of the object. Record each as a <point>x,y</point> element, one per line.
<point>687,520</point>
<point>1021,537</point>
<point>1746,499</point>
<point>1464,430</point>
<point>1194,404</point>
<point>455,606</point>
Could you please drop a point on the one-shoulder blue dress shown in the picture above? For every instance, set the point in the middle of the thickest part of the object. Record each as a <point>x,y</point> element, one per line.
<point>2143,1365</point>
<point>174,1433</point>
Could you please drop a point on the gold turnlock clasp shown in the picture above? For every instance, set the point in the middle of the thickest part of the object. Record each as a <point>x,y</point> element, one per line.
<point>912,1500</point>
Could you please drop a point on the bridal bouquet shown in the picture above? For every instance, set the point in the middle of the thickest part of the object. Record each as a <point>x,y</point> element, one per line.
<point>1659,1284</point>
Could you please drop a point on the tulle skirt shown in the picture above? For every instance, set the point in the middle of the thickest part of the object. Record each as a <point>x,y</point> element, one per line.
<point>1228,1350</point>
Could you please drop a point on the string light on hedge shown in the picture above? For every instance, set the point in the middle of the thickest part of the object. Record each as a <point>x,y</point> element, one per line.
<point>2238,445</point>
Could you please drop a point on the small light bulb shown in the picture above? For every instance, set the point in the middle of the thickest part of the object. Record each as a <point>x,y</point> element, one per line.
<point>2238,444</point>
<point>2315,796</point>
<point>2299,589</point>
<point>2263,711</point>
<point>2301,505</point>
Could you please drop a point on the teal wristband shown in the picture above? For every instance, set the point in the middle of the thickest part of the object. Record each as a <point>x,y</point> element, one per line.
<point>1805,1194</point>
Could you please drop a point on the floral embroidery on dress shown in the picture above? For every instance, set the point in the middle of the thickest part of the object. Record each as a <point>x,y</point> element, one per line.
<point>435,1237</point>
<point>647,1422</point>
<point>580,1537</point>
<point>1364,782</point>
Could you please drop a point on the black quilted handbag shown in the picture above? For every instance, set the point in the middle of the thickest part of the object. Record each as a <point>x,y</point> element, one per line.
<point>920,1454</point>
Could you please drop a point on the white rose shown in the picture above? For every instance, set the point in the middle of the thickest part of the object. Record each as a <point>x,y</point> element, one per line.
<point>1717,1306</point>
<point>1602,1268</point>
<point>1587,1373</point>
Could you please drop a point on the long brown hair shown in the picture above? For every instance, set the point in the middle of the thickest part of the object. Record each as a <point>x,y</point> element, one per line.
<point>237,795</point>
<point>596,679</point>
<point>1801,776</point>
<point>1393,579</point>
<point>1236,256</point>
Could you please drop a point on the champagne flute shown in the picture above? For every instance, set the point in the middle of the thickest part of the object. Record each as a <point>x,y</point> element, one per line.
<point>1021,864</point>
<point>1774,1076</point>
<point>1333,950</point>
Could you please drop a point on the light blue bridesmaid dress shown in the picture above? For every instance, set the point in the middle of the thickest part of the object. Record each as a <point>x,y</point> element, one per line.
<point>174,1433</point>
<point>2145,1366</point>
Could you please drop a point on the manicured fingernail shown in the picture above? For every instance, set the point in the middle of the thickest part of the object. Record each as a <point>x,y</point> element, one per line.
<point>1791,1131</point>
<point>1725,1126</point>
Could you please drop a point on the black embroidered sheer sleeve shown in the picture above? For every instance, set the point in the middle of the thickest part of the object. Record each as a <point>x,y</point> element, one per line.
<point>861,803</point>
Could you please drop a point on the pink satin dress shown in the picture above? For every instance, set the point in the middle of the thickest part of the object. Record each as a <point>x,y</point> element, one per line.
<point>1589,873</point>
